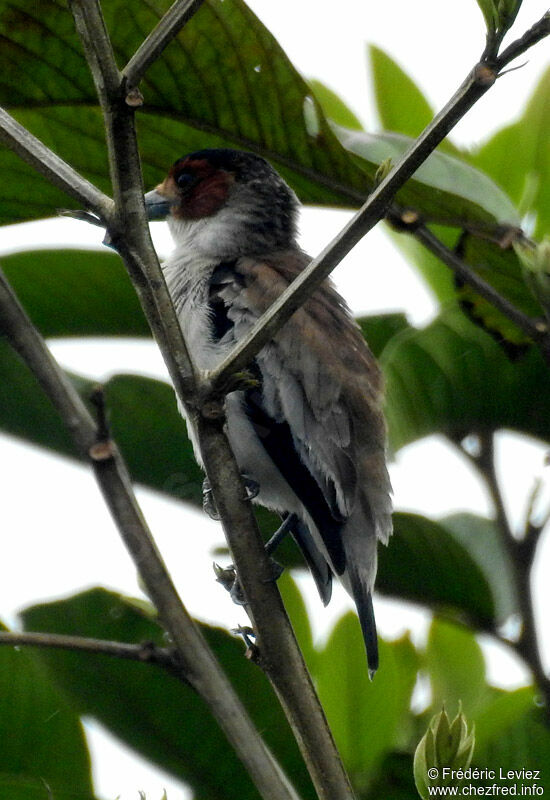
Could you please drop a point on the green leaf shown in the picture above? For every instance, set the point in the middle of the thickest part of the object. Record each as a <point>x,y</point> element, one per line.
<point>453,378</point>
<point>438,277</point>
<point>456,668</point>
<point>223,81</point>
<point>490,14</point>
<point>529,168</point>
<point>503,711</point>
<point>150,710</point>
<point>535,268</point>
<point>379,329</point>
<point>366,717</point>
<point>481,539</point>
<point>297,612</point>
<point>421,564</point>
<point>143,417</point>
<point>401,106</point>
<point>502,270</point>
<point>43,751</point>
<point>75,292</point>
<point>458,195</point>
<point>524,745</point>
<point>334,107</point>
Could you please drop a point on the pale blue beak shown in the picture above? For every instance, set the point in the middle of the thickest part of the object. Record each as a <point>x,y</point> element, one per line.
<point>157,206</point>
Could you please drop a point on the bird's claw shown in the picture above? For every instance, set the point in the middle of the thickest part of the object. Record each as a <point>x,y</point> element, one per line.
<point>252,489</point>
<point>251,486</point>
<point>228,578</point>
<point>248,636</point>
<point>208,502</point>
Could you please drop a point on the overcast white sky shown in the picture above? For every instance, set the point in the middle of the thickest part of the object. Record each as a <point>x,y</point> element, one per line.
<point>61,538</point>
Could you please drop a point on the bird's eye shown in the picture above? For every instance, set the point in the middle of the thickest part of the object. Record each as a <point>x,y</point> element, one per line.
<point>185,180</point>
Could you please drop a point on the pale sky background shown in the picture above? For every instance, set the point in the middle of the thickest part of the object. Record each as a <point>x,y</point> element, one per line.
<point>60,537</point>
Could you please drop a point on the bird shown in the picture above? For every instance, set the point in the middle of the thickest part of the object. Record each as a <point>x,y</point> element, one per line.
<point>308,432</point>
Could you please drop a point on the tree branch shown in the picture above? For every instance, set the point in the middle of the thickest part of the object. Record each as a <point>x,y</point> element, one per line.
<point>161,36</point>
<point>198,664</point>
<point>57,171</point>
<point>279,654</point>
<point>535,34</point>
<point>129,228</point>
<point>522,555</point>
<point>146,653</point>
<point>131,238</point>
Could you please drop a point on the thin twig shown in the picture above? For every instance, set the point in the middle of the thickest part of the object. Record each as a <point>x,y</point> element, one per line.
<point>537,330</point>
<point>146,653</point>
<point>48,164</point>
<point>161,36</point>
<point>535,34</point>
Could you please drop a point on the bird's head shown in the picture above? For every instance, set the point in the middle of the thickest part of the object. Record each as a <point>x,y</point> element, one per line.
<point>227,203</point>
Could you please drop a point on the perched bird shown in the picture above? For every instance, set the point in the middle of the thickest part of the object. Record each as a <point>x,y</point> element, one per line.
<point>309,434</point>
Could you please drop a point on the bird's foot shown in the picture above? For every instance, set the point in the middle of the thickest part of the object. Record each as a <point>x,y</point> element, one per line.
<point>229,579</point>
<point>252,489</point>
<point>208,502</point>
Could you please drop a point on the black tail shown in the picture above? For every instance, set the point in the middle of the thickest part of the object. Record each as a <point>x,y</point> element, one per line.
<point>365,611</point>
<point>368,627</point>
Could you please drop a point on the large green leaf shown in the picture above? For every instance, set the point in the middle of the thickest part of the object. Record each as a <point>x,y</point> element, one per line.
<point>152,711</point>
<point>439,277</point>
<point>453,378</point>
<point>501,712</point>
<point>459,195</point>
<point>43,752</point>
<point>143,417</point>
<point>75,292</point>
<point>223,81</point>
<point>421,565</point>
<point>501,269</point>
<point>366,717</point>
<point>481,539</point>
<point>334,107</point>
<point>524,745</point>
<point>456,667</point>
<point>518,158</point>
<point>401,106</point>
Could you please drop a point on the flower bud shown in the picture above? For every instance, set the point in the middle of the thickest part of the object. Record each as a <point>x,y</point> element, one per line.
<point>444,748</point>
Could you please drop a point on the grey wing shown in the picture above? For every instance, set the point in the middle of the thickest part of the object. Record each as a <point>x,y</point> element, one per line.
<point>317,375</point>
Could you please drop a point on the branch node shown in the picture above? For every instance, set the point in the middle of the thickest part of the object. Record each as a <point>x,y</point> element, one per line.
<point>213,409</point>
<point>134,97</point>
<point>484,75</point>
<point>104,448</point>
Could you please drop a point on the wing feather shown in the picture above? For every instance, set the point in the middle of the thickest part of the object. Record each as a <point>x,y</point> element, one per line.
<point>320,378</point>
